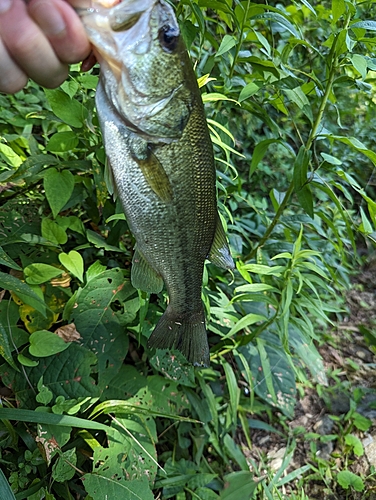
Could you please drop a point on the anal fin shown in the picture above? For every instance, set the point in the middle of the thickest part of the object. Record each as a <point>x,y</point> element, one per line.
<point>220,253</point>
<point>143,276</point>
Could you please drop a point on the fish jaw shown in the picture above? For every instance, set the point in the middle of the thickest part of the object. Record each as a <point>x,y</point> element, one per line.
<point>136,67</point>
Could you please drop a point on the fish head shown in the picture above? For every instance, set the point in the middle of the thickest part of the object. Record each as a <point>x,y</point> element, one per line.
<point>145,70</point>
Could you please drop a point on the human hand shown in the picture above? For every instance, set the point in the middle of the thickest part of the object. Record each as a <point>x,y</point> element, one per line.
<point>38,39</point>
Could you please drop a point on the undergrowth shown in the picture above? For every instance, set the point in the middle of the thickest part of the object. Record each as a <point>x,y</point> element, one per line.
<point>87,411</point>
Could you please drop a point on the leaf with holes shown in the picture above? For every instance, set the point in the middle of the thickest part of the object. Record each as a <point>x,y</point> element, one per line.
<point>65,374</point>
<point>99,317</point>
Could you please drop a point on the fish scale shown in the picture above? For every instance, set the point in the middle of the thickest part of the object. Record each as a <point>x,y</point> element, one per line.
<point>158,145</point>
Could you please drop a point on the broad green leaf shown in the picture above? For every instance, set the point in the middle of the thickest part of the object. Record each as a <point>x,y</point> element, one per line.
<point>355,443</point>
<point>360,64</point>
<point>331,159</point>
<point>40,273</point>
<point>73,262</point>
<point>53,232</point>
<point>68,110</point>
<point>9,155</point>
<point>338,8</point>
<point>62,142</point>
<point>101,487</point>
<point>273,374</point>
<point>362,423</point>
<point>366,25</point>
<point>63,469</point>
<point>58,187</point>
<point>248,91</point>
<point>9,282</point>
<point>101,328</point>
<point>174,366</point>
<point>58,377</point>
<point>25,361</point>
<point>239,485</point>
<point>228,42</point>
<point>346,479</point>
<point>44,343</point>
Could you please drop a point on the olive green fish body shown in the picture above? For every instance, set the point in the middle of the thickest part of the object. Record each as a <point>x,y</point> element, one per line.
<point>158,145</point>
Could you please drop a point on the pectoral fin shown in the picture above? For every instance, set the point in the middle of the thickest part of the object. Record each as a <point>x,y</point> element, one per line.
<point>143,276</point>
<point>220,253</point>
<point>152,168</point>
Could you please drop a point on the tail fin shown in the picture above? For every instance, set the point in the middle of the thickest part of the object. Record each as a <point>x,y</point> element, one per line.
<point>186,333</point>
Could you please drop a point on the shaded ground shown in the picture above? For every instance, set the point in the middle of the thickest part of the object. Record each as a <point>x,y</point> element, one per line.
<point>323,415</point>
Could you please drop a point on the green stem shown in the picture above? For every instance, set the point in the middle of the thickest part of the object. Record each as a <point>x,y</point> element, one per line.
<point>238,47</point>
<point>311,138</point>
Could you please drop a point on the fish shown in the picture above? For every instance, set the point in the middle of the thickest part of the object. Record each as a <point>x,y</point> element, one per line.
<point>161,157</point>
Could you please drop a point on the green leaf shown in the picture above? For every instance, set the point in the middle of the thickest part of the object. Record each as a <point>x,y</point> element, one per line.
<point>5,260</point>
<point>235,452</point>
<point>63,469</point>
<point>6,492</point>
<point>355,443</point>
<point>41,273</point>
<point>101,487</point>
<point>101,328</point>
<point>53,232</point>
<point>301,168</point>
<point>366,25</point>
<point>25,361</point>
<point>238,485</point>
<point>62,142</point>
<point>248,91</point>
<point>44,343</point>
<point>281,20</point>
<point>346,479</point>
<point>338,8</point>
<point>305,199</point>
<point>274,378</point>
<point>228,42</point>
<point>58,187</point>
<point>360,64</point>
<point>38,417</point>
<point>68,110</point>
<point>15,285</point>
<point>331,159</point>
<point>9,155</point>
<point>58,377</point>
<point>362,423</point>
<point>74,263</point>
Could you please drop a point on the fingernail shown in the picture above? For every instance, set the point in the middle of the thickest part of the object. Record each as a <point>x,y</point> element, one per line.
<point>48,18</point>
<point>5,5</point>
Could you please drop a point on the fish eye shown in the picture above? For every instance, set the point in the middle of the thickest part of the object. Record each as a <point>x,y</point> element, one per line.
<point>168,38</point>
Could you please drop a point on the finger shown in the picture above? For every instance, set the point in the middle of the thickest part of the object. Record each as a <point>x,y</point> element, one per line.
<point>12,78</point>
<point>29,48</point>
<point>63,28</point>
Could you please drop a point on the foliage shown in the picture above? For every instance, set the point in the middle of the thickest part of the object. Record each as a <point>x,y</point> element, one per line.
<point>289,90</point>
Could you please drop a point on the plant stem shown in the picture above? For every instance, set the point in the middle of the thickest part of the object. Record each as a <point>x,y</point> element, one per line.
<point>238,47</point>
<point>333,62</point>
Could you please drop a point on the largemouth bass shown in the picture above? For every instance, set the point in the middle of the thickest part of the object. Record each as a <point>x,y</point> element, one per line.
<point>158,145</point>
